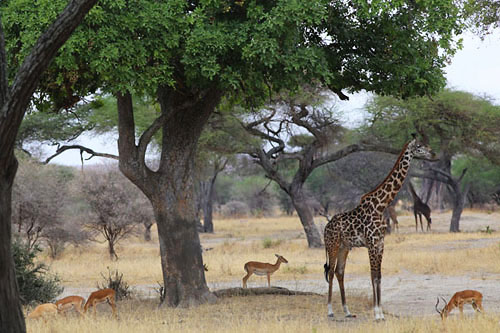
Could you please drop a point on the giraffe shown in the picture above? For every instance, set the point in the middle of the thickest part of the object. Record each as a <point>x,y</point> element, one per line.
<point>420,208</point>
<point>364,226</point>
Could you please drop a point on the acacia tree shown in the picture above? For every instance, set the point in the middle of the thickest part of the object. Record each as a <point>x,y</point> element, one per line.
<point>281,127</point>
<point>189,55</point>
<point>456,122</point>
<point>17,85</point>
<point>116,207</point>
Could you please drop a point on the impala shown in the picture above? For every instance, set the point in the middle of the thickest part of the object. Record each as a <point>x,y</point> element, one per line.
<point>101,296</point>
<point>260,268</point>
<point>460,298</point>
<point>42,310</point>
<point>67,303</point>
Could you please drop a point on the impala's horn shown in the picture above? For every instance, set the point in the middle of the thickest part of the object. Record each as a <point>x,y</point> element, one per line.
<point>437,305</point>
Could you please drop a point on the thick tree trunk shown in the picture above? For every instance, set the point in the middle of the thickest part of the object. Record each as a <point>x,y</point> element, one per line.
<point>181,258</point>
<point>458,207</point>
<point>11,316</point>
<point>207,189</point>
<point>170,189</point>
<point>208,224</point>
<point>306,218</point>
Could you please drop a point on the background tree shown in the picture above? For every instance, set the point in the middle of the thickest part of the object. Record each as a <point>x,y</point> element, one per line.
<point>39,197</point>
<point>116,207</point>
<point>16,91</point>
<point>242,50</point>
<point>454,122</point>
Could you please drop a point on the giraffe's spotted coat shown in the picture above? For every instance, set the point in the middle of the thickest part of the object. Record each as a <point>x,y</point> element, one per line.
<point>364,226</point>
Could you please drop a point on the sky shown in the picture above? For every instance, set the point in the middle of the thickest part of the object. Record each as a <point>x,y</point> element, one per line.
<point>475,69</point>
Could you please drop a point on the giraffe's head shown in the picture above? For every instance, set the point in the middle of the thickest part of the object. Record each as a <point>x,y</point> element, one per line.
<point>420,149</point>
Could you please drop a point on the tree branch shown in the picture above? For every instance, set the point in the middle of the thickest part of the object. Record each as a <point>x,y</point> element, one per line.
<point>353,149</point>
<point>28,75</point>
<point>82,149</point>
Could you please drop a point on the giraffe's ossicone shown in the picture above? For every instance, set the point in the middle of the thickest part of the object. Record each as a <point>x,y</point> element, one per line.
<point>364,226</point>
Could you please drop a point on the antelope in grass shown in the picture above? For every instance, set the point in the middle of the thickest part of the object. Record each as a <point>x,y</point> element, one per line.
<point>473,297</point>
<point>43,310</point>
<point>67,303</point>
<point>260,268</point>
<point>101,296</point>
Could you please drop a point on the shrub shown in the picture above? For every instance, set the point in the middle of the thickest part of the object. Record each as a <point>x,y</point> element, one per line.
<point>115,282</point>
<point>235,209</point>
<point>36,284</point>
<point>268,243</point>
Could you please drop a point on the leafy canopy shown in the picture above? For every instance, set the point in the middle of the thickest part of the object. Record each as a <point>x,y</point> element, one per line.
<point>245,47</point>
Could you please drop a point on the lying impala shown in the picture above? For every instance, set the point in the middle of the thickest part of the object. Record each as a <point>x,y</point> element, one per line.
<point>44,310</point>
<point>460,298</point>
<point>101,296</point>
<point>67,303</point>
<point>260,268</point>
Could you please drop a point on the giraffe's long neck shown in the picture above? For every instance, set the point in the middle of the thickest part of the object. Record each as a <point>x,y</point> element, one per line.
<point>384,193</point>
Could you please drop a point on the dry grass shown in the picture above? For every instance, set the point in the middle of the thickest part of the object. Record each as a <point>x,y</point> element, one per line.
<point>255,313</point>
<point>237,241</point>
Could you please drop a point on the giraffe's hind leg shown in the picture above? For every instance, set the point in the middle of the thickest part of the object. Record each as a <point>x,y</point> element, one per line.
<point>339,273</point>
<point>332,260</point>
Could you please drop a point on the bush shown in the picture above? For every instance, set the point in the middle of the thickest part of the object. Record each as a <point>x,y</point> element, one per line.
<point>115,282</point>
<point>36,284</point>
<point>235,209</point>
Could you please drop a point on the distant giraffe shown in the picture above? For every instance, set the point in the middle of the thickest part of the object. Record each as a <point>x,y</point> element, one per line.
<point>364,227</point>
<point>420,208</point>
<point>390,215</point>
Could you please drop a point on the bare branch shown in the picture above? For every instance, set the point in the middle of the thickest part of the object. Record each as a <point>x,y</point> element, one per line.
<point>353,149</point>
<point>82,149</point>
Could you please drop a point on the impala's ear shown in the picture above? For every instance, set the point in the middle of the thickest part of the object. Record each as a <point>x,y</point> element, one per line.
<point>277,255</point>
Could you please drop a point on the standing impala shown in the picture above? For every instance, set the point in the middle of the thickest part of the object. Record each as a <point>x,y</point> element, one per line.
<point>260,268</point>
<point>101,296</point>
<point>473,297</point>
<point>65,304</point>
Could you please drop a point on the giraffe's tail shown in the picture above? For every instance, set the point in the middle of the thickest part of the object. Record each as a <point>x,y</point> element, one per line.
<point>326,266</point>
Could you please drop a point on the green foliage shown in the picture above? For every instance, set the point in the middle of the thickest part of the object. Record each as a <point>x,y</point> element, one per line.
<point>36,284</point>
<point>242,47</point>
<point>482,176</point>
<point>454,121</point>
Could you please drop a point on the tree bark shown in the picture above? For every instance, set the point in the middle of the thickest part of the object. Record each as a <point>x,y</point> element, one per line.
<point>111,250</point>
<point>208,224</point>
<point>306,218</point>
<point>170,189</point>
<point>14,100</point>
<point>458,206</point>
<point>11,315</point>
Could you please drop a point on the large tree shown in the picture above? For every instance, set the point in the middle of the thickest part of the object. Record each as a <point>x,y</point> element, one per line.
<point>17,85</point>
<point>190,55</point>
<point>455,122</point>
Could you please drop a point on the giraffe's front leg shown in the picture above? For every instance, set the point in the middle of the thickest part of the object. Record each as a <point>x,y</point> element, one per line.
<point>376,275</point>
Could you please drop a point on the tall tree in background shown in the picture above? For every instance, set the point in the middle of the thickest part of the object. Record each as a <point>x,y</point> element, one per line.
<point>17,85</point>
<point>190,55</point>
<point>454,122</point>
